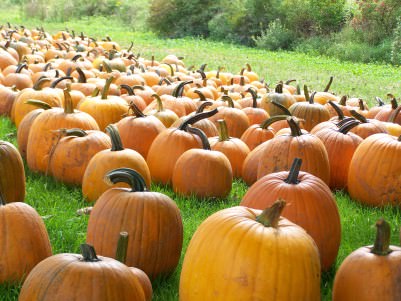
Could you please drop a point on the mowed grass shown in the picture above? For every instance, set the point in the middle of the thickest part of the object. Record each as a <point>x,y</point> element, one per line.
<point>57,203</point>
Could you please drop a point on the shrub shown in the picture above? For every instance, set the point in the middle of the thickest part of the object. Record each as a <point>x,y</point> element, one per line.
<point>275,37</point>
<point>396,45</point>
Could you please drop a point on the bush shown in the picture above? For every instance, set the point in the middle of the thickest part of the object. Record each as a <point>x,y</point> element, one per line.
<point>275,37</point>
<point>396,45</point>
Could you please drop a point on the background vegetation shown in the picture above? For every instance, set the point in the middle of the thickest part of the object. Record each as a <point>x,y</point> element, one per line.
<point>355,30</point>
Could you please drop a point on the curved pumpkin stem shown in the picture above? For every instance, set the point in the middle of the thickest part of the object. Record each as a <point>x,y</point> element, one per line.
<point>20,67</point>
<point>337,109</point>
<point>295,129</point>
<point>269,121</point>
<point>159,102</point>
<point>380,101</point>
<point>203,106</point>
<point>39,83</point>
<point>116,144</point>
<point>347,126</point>
<point>254,94</point>
<point>38,103</point>
<point>394,114</point>
<point>382,242</point>
<point>223,131</point>
<point>122,246</point>
<point>81,75</point>
<point>75,132</point>
<point>229,100</point>
<point>328,84</point>
<point>201,95</point>
<point>201,135</point>
<point>179,89</point>
<point>88,253</point>
<point>106,87</point>
<point>282,108</point>
<point>129,176</point>
<point>358,116</point>
<point>137,111</point>
<point>128,88</point>
<point>196,118</point>
<point>312,98</point>
<point>294,172</point>
<point>270,216</point>
<point>59,80</point>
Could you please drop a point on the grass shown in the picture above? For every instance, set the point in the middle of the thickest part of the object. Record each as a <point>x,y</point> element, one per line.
<point>57,203</point>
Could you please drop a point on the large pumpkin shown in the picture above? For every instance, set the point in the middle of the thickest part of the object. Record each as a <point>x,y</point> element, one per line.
<point>246,254</point>
<point>152,220</point>
<point>73,277</point>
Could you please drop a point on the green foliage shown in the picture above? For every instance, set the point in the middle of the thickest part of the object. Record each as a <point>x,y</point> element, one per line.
<point>328,16</point>
<point>275,37</point>
<point>179,18</point>
<point>396,45</point>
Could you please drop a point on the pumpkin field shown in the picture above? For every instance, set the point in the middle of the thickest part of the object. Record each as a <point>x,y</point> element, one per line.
<point>194,129</point>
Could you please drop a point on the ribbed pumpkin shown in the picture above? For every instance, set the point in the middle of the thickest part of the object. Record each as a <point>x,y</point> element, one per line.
<point>202,172</point>
<point>371,272</point>
<point>106,160</point>
<point>241,253</point>
<point>24,241</point>
<point>42,136</point>
<point>169,145</point>
<point>374,173</point>
<point>367,127</point>
<point>138,132</point>
<point>312,206</point>
<point>280,152</point>
<point>340,145</point>
<point>255,115</point>
<point>234,148</point>
<point>285,99</point>
<point>152,220</point>
<point>72,153</point>
<point>250,165</point>
<point>12,173</point>
<point>73,277</point>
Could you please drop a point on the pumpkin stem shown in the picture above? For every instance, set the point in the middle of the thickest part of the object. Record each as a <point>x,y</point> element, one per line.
<point>138,87</point>
<point>394,114</point>
<point>298,89</point>
<point>203,106</point>
<point>20,67</point>
<point>337,109</point>
<point>306,92</point>
<point>196,118</point>
<point>223,131</point>
<point>279,88</point>
<point>347,126</point>
<point>254,94</point>
<point>122,246</point>
<point>382,242</point>
<point>116,144</point>
<point>380,101</point>
<point>57,81</point>
<point>201,95</point>
<point>106,87</point>
<point>39,83</point>
<point>81,75</point>
<point>2,200</point>
<point>159,102</point>
<point>75,132</point>
<point>361,104</point>
<point>128,88</point>
<point>88,253</point>
<point>270,216</point>
<point>38,103</point>
<point>229,100</point>
<point>343,100</point>
<point>312,98</point>
<point>282,108</point>
<point>126,175</point>
<point>137,111</point>
<point>294,126</point>
<point>269,121</point>
<point>179,89</point>
<point>358,116</point>
<point>294,172</point>
<point>201,135</point>
<point>68,104</point>
<point>393,101</point>
<point>328,84</point>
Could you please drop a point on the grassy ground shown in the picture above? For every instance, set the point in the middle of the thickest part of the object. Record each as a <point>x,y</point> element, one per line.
<point>58,203</point>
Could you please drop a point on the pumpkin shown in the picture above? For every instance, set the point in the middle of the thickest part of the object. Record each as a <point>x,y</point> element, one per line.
<point>106,160</point>
<point>250,165</point>
<point>312,206</point>
<point>7,98</point>
<point>374,172</point>
<point>166,116</point>
<point>92,277</point>
<point>172,143</point>
<point>285,99</point>
<point>12,174</point>
<point>24,241</point>
<point>340,145</point>
<point>241,253</point>
<point>202,172</point>
<point>152,220</point>
<point>255,115</point>
<point>367,127</point>
<point>280,152</point>
<point>371,272</point>
<point>234,148</point>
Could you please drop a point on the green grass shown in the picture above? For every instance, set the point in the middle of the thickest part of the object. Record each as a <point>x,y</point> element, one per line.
<point>57,204</point>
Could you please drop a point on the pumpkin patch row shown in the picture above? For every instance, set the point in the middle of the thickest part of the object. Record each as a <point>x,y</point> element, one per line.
<point>88,110</point>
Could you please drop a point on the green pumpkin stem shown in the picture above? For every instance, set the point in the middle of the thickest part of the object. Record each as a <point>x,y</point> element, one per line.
<point>394,114</point>
<point>201,135</point>
<point>106,87</point>
<point>126,175</point>
<point>38,103</point>
<point>337,109</point>
<point>68,104</point>
<point>328,84</point>
<point>294,172</point>
<point>229,100</point>
<point>88,253</point>
<point>137,111</point>
<point>282,108</point>
<point>382,242</point>
<point>202,107</point>
<point>122,246</point>
<point>223,130</point>
<point>294,126</point>
<point>159,102</point>
<point>270,216</point>
<point>306,93</point>
<point>254,94</point>
<point>269,121</point>
<point>358,116</point>
<point>116,144</point>
<point>196,118</point>
<point>75,132</point>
